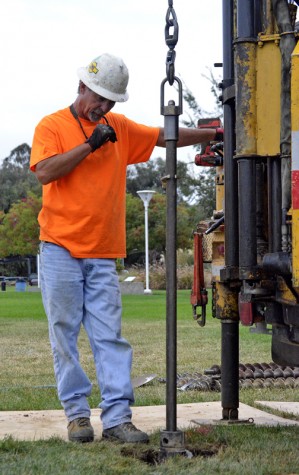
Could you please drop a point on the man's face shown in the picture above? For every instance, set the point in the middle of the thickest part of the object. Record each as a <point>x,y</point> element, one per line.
<point>94,107</point>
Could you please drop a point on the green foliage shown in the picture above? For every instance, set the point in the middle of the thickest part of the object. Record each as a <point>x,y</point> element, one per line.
<point>206,194</point>
<point>157,223</point>
<point>19,231</point>
<point>119,265</point>
<point>16,179</point>
<point>157,277</point>
<point>147,176</point>
<point>20,202</point>
<point>134,223</point>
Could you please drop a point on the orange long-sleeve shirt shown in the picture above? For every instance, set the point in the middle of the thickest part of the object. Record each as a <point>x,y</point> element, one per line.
<point>84,211</point>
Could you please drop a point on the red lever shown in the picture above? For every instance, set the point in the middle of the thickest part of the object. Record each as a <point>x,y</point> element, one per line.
<point>199,294</point>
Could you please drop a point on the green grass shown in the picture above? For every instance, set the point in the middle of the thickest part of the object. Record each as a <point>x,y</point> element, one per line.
<point>26,374</point>
<point>217,450</point>
<point>27,383</point>
<point>20,305</point>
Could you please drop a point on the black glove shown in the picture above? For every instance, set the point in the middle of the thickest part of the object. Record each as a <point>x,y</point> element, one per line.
<point>219,135</point>
<point>101,134</point>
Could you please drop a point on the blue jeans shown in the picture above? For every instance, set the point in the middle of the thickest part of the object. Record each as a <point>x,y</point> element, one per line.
<point>86,291</point>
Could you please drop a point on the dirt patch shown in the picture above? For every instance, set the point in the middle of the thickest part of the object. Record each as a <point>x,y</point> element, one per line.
<point>154,457</point>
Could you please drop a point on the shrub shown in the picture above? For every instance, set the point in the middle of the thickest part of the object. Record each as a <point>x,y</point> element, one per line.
<point>157,276</point>
<point>185,257</point>
<point>185,277</point>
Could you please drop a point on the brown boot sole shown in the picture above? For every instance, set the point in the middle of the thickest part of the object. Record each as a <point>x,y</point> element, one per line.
<point>81,440</point>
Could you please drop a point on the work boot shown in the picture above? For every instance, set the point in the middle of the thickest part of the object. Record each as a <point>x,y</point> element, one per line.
<point>80,430</point>
<point>126,432</point>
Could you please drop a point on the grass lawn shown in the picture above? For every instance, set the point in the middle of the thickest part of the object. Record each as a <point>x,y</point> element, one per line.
<point>27,383</point>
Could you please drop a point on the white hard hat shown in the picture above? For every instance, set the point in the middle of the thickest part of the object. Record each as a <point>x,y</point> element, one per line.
<point>107,76</point>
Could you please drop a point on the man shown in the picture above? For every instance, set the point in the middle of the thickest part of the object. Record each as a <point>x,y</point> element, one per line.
<point>80,155</point>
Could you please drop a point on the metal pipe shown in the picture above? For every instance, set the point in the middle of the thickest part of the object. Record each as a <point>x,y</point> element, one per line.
<point>258,15</point>
<point>230,165</point>
<point>246,133</point>
<point>229,328</point>
<point>259,200</point>
<point>245,18</point>
<point>230,369</point>
<point>274,204</point>
<point>171,288</point>
<point>171,440</point>
<point>262,245</point>
<point>247,214</point>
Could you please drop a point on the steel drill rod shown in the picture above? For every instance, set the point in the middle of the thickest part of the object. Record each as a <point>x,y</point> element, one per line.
<point>230,329</point>
<point>230,369</point>
<point>171,288</point>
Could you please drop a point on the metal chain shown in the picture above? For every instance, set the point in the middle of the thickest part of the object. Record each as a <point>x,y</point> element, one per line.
<point>171,41</point>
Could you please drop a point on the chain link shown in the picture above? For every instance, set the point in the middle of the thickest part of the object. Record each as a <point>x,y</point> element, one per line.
<point>171,40</point>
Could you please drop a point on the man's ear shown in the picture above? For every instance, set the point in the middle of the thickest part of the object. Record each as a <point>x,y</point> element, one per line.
<point>82,87</point>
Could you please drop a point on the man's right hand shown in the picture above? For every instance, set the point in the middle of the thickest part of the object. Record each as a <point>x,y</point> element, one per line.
<point>102,133</point>
<point>219,135</point>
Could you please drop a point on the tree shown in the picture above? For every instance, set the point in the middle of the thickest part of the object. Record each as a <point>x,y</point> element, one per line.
<point>149,176</point>
<point>156,224</point>
<point>134,223</point>
<point>16,179</point>
<point>19,230</point>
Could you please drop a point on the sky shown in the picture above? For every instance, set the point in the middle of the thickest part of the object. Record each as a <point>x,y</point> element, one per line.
<point>43,43</point>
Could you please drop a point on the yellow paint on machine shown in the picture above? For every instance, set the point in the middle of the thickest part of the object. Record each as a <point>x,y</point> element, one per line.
<point>245,67</point>
<point>268,87</point>
<point>226,302</point>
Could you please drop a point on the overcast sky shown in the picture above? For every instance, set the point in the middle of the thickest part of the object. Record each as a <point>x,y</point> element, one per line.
<point>44,42</point>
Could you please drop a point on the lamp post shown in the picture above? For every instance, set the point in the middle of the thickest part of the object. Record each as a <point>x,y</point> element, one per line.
<point>146,196</point>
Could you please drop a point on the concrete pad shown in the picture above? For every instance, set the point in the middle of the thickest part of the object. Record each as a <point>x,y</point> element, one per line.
<point>35,425</point>
<point>289,407</point>
<point>247,414</point>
